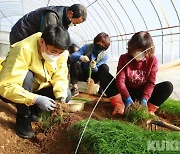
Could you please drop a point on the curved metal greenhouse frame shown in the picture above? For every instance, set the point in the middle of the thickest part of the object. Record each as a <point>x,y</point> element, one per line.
<point>119,18</point>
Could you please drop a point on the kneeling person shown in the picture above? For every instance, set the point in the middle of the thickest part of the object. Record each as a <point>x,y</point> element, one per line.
<point>34,74</point>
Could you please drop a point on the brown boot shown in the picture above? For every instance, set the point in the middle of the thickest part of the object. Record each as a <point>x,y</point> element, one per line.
<point>118,104</point>
<point>152,108</point>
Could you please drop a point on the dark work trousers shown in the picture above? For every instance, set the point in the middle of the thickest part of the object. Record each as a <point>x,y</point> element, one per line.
<point>25,110</point>
<point>77,73</point>
<point>112,90</point>
<point>160,93</point>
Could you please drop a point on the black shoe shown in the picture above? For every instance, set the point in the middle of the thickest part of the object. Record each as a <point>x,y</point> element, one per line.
<point>36,118</point>
<point>23,126</point>
<point>74,92</point>
<point>101,91</point>
<point>35,113</point>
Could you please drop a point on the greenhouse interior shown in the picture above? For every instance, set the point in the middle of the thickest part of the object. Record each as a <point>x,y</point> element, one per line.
<point>120,19</point>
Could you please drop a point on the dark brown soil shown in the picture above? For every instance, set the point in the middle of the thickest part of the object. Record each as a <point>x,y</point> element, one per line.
<point>55,140</point>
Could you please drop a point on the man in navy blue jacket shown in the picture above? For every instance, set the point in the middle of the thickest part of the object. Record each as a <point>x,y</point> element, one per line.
<point>37,20</point>
<point>90,55</point>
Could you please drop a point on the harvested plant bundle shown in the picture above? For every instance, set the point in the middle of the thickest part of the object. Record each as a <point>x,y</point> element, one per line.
<point>90,83</point>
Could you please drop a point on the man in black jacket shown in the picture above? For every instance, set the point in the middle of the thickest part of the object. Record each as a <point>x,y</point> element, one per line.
<point>37,20</point>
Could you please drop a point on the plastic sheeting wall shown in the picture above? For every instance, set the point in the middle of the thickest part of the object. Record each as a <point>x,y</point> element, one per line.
<point>119,18</point>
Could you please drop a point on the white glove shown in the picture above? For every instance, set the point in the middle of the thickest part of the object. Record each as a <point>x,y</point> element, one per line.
<point>92,64</point>
<point>45,103</point>
<point>84,58</point>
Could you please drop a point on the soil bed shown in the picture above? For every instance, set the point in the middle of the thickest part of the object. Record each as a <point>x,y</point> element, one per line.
<point>55,140</point>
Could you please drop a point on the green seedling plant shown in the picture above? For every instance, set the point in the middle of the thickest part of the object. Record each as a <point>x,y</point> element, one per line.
<point>170,106</point>
<point>48,120</point>
<point>116,137</point>
<point>57,118</point>
<point>137,113</point>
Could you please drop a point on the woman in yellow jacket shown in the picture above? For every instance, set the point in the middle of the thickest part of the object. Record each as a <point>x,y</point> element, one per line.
<point>34,74</point>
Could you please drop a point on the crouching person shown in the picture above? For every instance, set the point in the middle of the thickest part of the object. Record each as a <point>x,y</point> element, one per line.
<point>34,75</point>
<point>92,56</point>
<point>136,77</point>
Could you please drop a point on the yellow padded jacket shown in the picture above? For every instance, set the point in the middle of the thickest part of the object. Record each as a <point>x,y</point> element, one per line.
<point>24,56</point>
